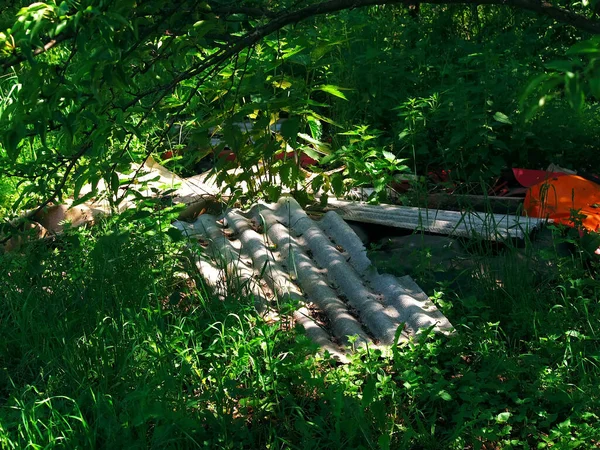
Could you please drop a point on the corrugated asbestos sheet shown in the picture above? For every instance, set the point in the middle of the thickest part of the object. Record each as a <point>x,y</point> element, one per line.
<point>454,223</point>
<point>277,252</point>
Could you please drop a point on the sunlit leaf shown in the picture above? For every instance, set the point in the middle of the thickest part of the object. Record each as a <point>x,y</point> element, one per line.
<point>332,90</point>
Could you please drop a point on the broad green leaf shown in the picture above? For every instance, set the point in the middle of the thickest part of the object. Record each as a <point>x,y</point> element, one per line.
<point>115,183</point>
<point>309,151</point>
<point>322,147</point>
<point>594,83</point>
<point>369,390</point>
<point>444,395</point>
<point>389,156</point>
<point>80,179</point>
<point>63,9</point>
<point>574,93</point>
<point>12,141</point>
<point>384,441</point>
<point>289,130</point>
<point>175,234</point>
<point>503,417</point>
<point>202,27</point>
<point>140,214</point>
<point>561,65</point>
<point>337,183</point>
<point>502,118</point>
<point>589,47</point>
<point>533,85</point>
<point>84,198</point>
<point>60,27</point>
<point>316,128</point>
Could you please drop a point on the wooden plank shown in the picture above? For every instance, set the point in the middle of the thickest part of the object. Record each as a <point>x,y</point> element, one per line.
<point>488,226</point>
<point>458,202</point>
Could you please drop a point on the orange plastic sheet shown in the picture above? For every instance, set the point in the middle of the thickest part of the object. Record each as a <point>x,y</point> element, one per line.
<point>556,197</point>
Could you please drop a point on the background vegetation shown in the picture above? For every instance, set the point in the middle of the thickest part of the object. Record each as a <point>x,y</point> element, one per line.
<point>108,337</point>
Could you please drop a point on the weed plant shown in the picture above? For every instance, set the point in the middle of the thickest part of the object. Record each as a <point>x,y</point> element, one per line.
<point>109,340</point>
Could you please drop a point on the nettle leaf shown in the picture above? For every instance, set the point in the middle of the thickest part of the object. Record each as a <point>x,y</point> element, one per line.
<point>337,183</point>
<point>317,183</point>
<point>282,83</point>
<point>233,135</point>
<point>273,193</point>
<point>309,151</point>
<point>316,128</point>
<point>444,395</point>
<point>285,173</point>
<point>332,90</point>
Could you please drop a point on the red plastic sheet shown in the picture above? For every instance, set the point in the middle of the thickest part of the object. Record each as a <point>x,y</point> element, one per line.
<point>529,177</point>
<point>557,197</point>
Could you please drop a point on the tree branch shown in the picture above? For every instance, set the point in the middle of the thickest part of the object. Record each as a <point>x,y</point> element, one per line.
<point>19,58</point>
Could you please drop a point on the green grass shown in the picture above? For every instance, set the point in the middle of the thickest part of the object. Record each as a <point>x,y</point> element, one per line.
<point>109,340</point>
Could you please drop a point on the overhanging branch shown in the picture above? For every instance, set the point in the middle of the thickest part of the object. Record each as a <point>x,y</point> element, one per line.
<point>281,18</point>
<point>540,7</point>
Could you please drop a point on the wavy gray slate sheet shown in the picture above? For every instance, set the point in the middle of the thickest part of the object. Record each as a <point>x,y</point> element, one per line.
<point>277,251</point>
